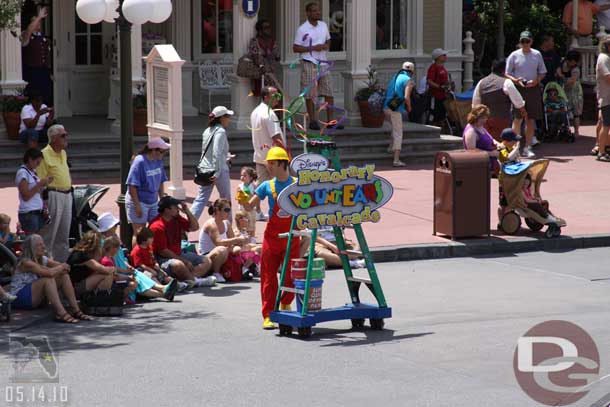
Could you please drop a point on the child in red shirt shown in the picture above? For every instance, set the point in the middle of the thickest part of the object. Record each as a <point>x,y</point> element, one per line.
<point>142,257</point>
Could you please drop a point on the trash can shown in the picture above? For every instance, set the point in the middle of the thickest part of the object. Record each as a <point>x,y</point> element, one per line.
<point>461,193</point>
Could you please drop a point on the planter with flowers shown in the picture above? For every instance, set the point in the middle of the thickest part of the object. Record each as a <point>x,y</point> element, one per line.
<point>11,106</point>
<point>140,116</point>
<point>370,100</point>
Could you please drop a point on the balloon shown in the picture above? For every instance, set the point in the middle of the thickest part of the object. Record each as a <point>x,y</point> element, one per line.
<point>111,11</point>
<point>161,10</point>
<point>91,11</point>
<point>137,11</point>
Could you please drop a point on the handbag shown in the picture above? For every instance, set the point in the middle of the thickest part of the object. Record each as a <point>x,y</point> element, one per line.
<point>395,103</point>
<point>246,68</point>
<point>203,177</point>
<point>104,302</point>
<point>232,269</point>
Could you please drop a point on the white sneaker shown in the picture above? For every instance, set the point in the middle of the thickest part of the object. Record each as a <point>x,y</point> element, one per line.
<point>219,278</point>
<point>551,218</point>
<point>535,141</point>
<point>357,264</point>
<point>182,286</point>
<point>205,282</point>
<point>260,216</point>
<point>527,152</point>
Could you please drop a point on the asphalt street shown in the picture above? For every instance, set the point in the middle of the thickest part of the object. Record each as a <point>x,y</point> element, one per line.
<point>450,342</point>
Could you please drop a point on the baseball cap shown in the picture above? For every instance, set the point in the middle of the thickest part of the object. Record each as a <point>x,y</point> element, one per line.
<point>220,111</point>
<point>525,35</point>
<point>510,135</point>
<point>438,52</point>
<point>167,202</point>
<point>159,143</point>
<point>408,66</point>
<point>106,221</point>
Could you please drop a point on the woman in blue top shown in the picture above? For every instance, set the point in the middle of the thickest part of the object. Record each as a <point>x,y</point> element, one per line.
<point>400,86</point>
<point>215,157</point>
<point>145,184</point>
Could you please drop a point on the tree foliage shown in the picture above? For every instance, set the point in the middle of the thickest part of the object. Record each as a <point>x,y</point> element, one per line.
<point>8,11</point>
<point>538,16</point>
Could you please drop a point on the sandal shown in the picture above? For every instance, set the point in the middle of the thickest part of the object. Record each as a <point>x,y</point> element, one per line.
<point>595,151</point>
<point>603,157</point>
<point>82,316</point>
<point>65,318</point>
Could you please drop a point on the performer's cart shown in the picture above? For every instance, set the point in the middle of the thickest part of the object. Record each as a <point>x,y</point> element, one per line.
<point>356,311</point>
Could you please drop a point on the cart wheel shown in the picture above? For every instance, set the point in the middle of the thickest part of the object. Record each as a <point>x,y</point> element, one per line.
<point>511,223</point>
<point>304,332</point>
<point>552,231</point>
<point>533,225</point>
<point>285,330</point>
<point>357,323</point>
<point>377,323</point>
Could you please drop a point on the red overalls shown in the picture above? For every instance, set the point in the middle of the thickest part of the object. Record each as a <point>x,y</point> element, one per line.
<point>272,256</point>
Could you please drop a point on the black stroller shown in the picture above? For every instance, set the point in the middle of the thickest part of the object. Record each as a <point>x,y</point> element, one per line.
<point>86,197</point>
<point>8,262</point>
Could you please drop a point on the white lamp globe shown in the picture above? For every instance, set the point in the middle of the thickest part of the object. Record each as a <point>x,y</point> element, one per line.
<point>91,11</point>
<point>161,10</point>
<point>137,11</point>
<point>111,11</point>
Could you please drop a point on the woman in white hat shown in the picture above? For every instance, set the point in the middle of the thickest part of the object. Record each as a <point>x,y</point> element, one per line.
<point>145,184</point>
<point>214,157</point>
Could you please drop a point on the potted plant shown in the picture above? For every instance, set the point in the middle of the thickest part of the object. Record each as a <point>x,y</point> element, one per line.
<point>370,100</point>
<point>11,106</point>
<point>140,115</point>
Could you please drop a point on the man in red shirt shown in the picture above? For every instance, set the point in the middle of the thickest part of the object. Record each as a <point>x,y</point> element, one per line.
<point>438,82</point>
<point>168,228</point>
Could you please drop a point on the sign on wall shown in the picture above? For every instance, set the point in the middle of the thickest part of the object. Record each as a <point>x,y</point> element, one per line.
<point>250,7</point>
<point>327,197</point>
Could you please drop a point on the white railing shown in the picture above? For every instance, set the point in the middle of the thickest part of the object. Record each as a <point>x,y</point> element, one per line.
<point>588,60</point>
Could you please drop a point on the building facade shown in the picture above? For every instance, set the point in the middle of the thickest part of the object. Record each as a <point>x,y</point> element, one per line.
<point>211,35</point>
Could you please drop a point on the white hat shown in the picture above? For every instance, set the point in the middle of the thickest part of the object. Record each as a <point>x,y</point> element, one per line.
<point>438,52</point>
<point>220,111</point>
<point>408,66</point>
<point>106,221</point>
<point>159,143</point>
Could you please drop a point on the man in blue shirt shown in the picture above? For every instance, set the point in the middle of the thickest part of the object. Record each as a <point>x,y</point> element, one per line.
<point>400,86</point>
<point>274,248</point>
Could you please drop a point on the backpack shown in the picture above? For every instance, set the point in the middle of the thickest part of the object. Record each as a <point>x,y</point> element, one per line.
<point>104,302</point>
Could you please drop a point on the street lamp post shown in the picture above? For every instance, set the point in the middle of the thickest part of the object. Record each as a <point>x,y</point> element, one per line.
<point>124,13</point>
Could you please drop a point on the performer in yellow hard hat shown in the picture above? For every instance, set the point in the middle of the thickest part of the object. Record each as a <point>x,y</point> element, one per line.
<point>274,248</point>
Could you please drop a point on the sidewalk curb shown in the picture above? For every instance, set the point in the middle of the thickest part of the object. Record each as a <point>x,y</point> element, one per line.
<point>491,245</point>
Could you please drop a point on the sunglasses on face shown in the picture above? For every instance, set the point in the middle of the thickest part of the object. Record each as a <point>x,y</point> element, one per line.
<point>64,135</point>
<point>525,41</point>
<point>226,210</point>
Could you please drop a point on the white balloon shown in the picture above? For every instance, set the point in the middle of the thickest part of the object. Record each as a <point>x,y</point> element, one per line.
<point>91,11</point>
<point>111,11</point>
<point>137,11</point>
<point>161,10</point>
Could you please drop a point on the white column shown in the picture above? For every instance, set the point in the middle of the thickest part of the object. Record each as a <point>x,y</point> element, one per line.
<point>416,18</point>
<point>136,55</point>
<point>241,102</point>
<point>10,63</point>
<point>469,60</point>
<point>359,48</point>
<point>290,9</point>
<point>453,27</point>
<point>181,26</point>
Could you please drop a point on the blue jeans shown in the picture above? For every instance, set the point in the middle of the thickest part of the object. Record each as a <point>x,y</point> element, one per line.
<point>223,184</point>
<point>31,134</point>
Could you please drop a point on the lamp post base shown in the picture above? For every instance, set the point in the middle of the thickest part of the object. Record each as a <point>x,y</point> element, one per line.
<point>177,192</point>
<point>126,232</point>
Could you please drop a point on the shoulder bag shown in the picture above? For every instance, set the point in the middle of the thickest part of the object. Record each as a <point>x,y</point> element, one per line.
<point>247,68</point>
<point>203,176</point>
<point>397,101</point>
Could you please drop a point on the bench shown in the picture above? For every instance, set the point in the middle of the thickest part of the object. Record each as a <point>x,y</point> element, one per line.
<point>214,76</point>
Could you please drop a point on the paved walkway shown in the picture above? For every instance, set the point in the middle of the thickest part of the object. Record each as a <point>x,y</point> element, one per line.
<point>576,187</point>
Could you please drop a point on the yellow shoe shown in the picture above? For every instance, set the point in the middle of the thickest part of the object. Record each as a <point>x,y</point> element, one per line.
<point>285,307</point>
<point>267,324</point>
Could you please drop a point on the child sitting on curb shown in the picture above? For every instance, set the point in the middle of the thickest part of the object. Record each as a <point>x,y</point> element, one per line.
<point>250,252</point>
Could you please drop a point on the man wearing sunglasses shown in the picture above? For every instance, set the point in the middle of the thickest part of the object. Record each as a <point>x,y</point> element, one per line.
<point>525,67</point>
<point>59,193</point>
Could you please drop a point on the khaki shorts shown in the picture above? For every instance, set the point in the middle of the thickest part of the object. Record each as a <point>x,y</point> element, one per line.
<point>309,73</point>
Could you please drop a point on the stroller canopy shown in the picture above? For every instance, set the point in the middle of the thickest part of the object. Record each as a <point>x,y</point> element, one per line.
<point>558,88</point>
<point>88,194</point>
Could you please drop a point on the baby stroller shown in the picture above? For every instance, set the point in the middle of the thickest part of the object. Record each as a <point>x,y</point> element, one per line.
<point>86,197</point>
<point>513,178</point>
<point>556,122</point>
<point>458,105</point>
<point>8,262</point>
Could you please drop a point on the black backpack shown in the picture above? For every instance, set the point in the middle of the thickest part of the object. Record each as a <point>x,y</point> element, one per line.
<point>104,302</point>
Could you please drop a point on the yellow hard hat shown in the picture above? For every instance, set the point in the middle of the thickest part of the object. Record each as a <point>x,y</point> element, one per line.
<point>277,153</point>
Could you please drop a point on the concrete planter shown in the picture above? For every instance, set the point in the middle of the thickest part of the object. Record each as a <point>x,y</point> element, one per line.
<point>368,118</point>
<point>12,121</point>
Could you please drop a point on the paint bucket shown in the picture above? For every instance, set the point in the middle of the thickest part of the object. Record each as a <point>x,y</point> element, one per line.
<point>314,303</point>
<point>298,269</point>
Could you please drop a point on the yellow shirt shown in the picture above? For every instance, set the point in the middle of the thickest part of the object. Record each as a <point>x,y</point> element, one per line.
<point>503,158</point>
<point>55,165</point>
